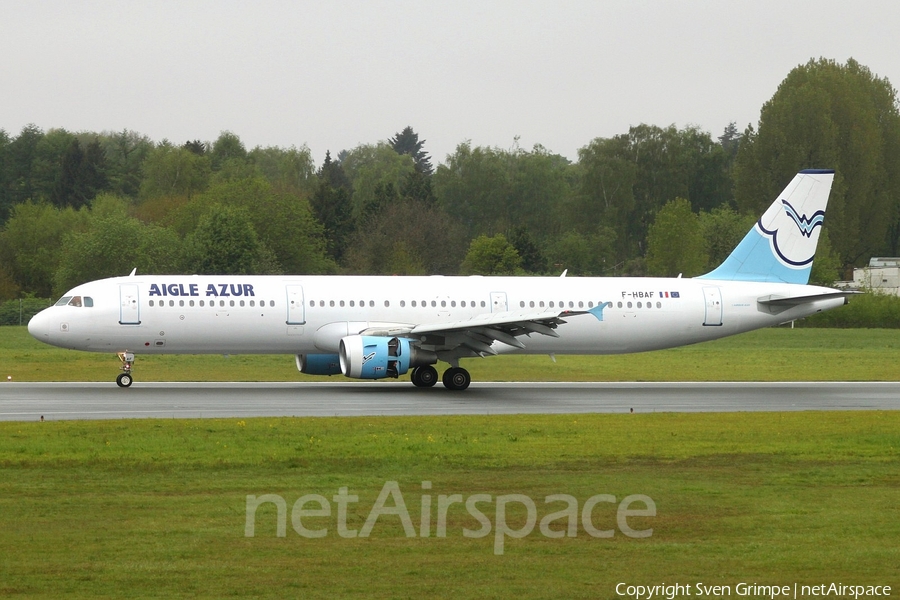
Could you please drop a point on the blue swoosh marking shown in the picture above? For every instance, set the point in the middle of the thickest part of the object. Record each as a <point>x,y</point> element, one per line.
<point>805,224</point>
<point>597,311</point>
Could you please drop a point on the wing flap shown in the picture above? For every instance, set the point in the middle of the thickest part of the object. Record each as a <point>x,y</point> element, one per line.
<point>500,320</point>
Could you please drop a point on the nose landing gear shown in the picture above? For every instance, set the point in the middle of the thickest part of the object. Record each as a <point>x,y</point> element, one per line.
<point>124,379</point>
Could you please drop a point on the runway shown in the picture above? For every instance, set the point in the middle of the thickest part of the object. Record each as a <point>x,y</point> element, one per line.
<point>72,401</point>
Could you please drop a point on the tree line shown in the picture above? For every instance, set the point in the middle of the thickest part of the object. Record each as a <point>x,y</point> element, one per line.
<point>652,201</point>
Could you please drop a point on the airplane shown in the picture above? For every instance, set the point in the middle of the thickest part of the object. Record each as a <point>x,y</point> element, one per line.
<point>376,327</point>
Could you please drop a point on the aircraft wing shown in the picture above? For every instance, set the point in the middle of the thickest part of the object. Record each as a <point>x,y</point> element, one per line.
<point>476,335</point>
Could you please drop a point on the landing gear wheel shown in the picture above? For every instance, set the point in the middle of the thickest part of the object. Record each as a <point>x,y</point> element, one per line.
<point>424,377</point>
<point>124,379</point>
<point>456,378</point>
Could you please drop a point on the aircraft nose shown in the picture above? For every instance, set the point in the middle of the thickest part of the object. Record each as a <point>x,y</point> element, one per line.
<point>39,326</point>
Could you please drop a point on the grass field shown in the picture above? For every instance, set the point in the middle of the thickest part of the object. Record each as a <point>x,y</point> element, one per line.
<point>157,508</point>
<point>779,354</point>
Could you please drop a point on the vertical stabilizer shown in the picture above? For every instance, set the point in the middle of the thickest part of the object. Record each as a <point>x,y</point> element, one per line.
<point>781,246</point>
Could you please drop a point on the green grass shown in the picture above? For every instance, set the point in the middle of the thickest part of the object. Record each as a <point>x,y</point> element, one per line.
<point>156,508</point>
<point>779,354</point>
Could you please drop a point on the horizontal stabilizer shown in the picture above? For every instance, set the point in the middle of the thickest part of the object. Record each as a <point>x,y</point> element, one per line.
<point>775,304</point>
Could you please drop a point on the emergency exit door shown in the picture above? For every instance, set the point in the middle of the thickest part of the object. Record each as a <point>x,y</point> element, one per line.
<point>296,310</point>
<point>498,302</point>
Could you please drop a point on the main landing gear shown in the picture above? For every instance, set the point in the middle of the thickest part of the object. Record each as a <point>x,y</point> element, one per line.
<point>455,378</point>
<point>124,379</point>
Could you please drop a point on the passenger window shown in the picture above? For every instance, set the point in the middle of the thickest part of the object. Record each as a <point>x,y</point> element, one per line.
<point>387,303</point>
<point>402,303</point>
<point>192,303</point>
<point>271,303</point>
<point>181,303</point>
<point>463,304</point>
<point>342,304</point>
<point>352,303</point>
<point>171,303</point>
<point>151,303</point>
<point>242,303</point>
<point>541,304</point>
<point>413,303</point>
<point>202,303</point>
<point>483,304</point>
<point>659,305</point>
<point>443,304</point>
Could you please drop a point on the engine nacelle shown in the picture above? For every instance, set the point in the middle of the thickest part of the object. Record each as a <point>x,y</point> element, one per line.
<point>319,364</point>
<point>376,357</point>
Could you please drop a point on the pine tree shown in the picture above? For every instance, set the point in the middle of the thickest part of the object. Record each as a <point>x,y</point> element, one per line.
<point>407,142</point>
<point>331,205</point>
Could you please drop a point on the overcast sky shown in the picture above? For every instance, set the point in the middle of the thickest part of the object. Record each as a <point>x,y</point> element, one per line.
<point>333,75</point>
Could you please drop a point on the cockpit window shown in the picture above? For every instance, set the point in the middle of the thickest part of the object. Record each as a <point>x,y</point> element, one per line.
<point>77,301</point>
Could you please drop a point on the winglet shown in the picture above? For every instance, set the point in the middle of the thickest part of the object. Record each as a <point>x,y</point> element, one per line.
<point>782,244</point>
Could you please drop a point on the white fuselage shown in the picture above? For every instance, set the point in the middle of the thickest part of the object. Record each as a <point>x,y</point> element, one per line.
<point>157,314</point>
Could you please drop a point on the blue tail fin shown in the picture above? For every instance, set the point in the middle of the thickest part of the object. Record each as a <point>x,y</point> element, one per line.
<point>781,246</point>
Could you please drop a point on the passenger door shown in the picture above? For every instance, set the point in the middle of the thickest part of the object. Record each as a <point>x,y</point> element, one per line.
<point>713,315</point>
<point>129,306</point>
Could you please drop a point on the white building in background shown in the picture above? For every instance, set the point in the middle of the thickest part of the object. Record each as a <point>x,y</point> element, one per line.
<point>882,275</point>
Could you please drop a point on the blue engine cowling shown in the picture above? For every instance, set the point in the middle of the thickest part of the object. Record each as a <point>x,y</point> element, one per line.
<point>319,364</point>
<point>375,357</point>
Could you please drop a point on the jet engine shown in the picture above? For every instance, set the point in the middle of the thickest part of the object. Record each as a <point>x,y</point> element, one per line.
<point>376,357</point>
<point>319,364</point>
